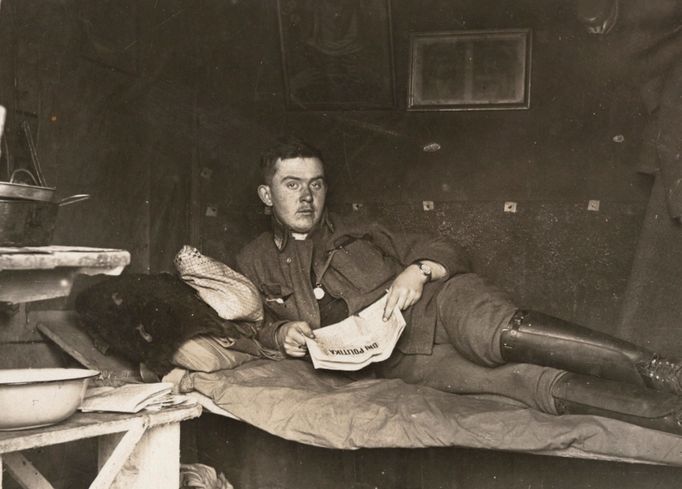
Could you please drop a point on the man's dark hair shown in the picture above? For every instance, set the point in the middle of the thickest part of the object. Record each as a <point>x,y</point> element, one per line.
<point>285,148</point>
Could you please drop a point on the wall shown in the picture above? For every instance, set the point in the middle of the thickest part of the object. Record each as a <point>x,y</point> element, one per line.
<point>96,81</point>
<point>160,110</point>
<point>552,254</point>
<point>91,80</point>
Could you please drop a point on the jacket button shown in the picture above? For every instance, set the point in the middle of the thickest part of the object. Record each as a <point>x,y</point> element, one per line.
<point>289,260</point>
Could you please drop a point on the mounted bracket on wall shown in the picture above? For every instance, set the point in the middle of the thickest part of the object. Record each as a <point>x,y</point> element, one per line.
<point>206,173</point>
<point>510,207</point>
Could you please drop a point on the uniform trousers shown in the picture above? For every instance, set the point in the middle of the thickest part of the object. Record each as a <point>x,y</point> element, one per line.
<point>466,356</point>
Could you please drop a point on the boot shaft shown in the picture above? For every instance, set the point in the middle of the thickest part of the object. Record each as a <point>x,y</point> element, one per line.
<point>533,337</point>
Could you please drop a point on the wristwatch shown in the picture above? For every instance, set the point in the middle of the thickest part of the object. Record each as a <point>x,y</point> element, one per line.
<point>425,269</point>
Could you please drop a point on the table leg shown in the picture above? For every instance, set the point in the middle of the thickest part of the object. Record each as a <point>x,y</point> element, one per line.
<point>24,472</point>
<point>155,461</point>
<point>120,448</point>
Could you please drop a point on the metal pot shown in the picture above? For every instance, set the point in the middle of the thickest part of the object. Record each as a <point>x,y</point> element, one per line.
<point>30,222</point>
<point>11,190</point>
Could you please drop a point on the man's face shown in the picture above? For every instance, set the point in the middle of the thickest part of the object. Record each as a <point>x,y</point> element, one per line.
<point>297,193</point>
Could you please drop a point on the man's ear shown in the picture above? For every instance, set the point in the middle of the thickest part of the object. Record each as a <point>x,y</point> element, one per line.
<point>264,194</point>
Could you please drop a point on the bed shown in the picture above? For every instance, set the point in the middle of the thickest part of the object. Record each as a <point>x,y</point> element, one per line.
<point>284,425</point>
<point>287,405</point>
<point>291,400</point>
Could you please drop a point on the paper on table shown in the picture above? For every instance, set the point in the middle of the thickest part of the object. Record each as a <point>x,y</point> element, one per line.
<point>129,398</point>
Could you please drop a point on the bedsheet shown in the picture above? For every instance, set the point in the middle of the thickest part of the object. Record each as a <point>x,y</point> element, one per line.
<point>292,400</point>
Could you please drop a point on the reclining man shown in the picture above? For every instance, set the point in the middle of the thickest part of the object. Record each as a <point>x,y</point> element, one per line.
<point>463,336</point>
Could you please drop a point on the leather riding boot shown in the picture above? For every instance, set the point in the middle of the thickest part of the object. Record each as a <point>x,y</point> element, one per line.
<point>582,394</point>
<point>533,337</point>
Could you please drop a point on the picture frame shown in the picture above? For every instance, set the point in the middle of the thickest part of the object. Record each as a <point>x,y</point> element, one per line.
<point>337,54</point>
<point>470,70</point>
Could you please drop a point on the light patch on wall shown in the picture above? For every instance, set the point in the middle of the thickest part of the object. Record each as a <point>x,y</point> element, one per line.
<point>618,138</point>
<point>593,206</point>
<point>428,205</point>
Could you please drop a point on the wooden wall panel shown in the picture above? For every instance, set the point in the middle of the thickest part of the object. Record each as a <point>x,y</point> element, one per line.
<point>32,355</point>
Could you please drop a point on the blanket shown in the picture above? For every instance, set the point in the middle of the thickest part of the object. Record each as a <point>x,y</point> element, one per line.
<point>327,409</point>
<point>146,318</point>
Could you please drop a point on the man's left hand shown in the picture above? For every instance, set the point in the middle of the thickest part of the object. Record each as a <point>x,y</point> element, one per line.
<point>405,290</point>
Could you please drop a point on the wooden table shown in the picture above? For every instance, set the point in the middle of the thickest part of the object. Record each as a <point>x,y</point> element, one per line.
<point>136,451</point>
<point>45,272</point>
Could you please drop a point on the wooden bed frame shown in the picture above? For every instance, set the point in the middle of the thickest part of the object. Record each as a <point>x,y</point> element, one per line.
<point>253,459</point>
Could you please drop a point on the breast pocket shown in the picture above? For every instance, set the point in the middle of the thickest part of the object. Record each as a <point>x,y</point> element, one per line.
<point>362,265</point>
<point>276,297</point>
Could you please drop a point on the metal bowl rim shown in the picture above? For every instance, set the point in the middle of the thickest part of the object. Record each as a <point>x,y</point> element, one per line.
<point>86,374</point>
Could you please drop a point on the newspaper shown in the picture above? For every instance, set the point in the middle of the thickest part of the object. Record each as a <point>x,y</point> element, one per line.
<point>356,341</point>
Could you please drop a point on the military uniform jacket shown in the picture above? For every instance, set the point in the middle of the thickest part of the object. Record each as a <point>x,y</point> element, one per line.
<point>363,259</point>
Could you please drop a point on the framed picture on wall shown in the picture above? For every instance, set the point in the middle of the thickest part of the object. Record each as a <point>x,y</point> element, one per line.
<point>470,70</point>
<point>337,54</point>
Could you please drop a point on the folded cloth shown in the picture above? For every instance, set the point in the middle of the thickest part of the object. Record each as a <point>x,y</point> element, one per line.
<point>208,353</point>
<point>229,293</point>
<point>200,476</point>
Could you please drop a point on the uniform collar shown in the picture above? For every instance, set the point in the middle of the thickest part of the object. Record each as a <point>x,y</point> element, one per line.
<point>281,233</point>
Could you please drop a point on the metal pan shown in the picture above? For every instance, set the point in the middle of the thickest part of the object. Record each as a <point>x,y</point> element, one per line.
<point>10,190</point>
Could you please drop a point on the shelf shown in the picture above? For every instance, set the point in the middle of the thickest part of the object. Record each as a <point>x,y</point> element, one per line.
<point>46,272</point>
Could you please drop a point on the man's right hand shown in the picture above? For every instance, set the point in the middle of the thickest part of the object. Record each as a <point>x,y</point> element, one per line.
<point>292,336</point>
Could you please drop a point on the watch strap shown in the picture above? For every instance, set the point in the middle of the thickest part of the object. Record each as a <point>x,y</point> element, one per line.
<point>425,269</point>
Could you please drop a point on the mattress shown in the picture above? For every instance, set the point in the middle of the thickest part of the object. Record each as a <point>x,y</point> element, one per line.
<point>292,400</point>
